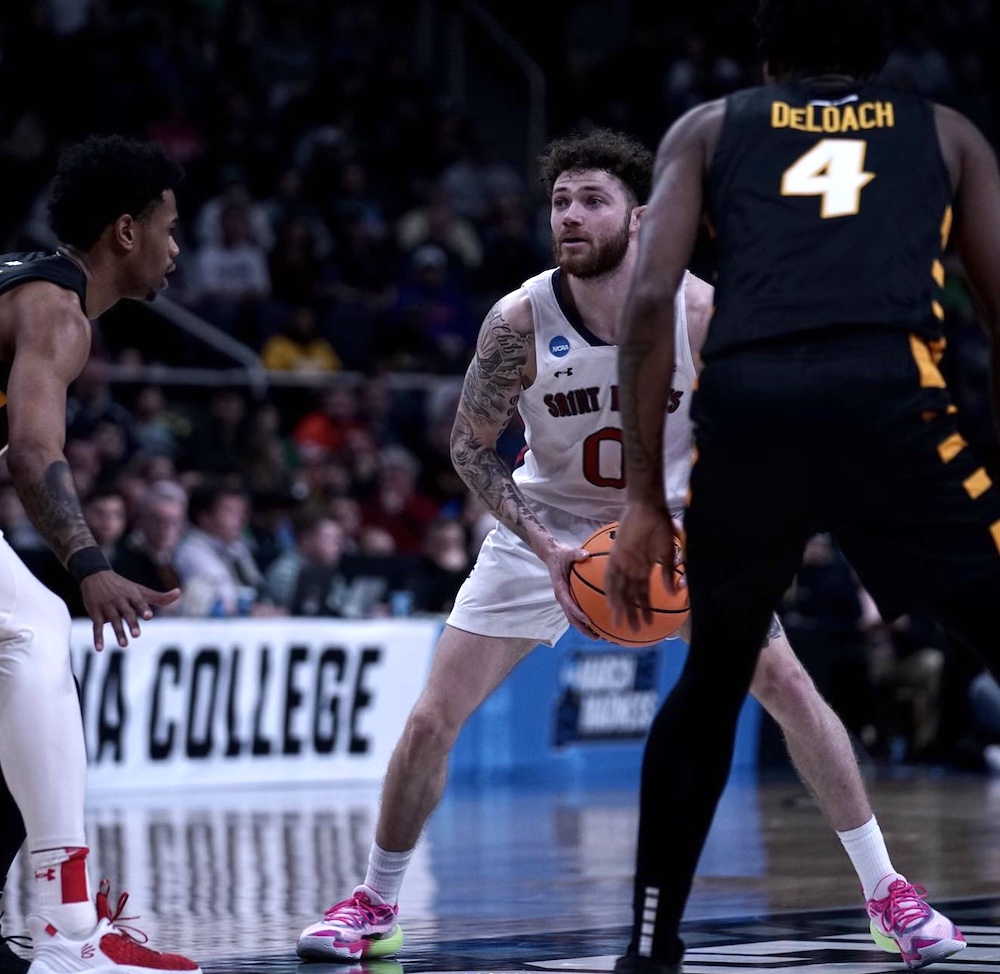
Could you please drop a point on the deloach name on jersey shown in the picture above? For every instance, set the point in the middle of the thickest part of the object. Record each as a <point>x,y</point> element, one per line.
<point>829,119</point>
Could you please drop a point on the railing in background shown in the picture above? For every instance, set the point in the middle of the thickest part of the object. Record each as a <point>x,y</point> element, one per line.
<point>442,39</point>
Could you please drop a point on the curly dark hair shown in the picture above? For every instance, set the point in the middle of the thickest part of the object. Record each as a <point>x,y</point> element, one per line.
<point>614,152</point>
<point>822,36</point>
<point>102,177</point>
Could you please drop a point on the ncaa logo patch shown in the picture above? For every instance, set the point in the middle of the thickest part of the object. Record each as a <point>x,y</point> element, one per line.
<point>559,346</point>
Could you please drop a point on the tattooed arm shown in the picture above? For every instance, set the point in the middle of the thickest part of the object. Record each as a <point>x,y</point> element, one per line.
<point>503,365</point>
<point>46,338</point>
<point>504,362</point>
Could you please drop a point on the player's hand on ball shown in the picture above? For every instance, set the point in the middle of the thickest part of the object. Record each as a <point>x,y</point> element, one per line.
<point>644,538</point>
<point>559,561</point>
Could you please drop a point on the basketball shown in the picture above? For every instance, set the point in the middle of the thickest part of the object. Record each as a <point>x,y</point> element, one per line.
<point>586,581</point>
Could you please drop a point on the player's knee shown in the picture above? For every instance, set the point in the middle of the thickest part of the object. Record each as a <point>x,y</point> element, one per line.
<point>428,730</point>
<point>780,679</point>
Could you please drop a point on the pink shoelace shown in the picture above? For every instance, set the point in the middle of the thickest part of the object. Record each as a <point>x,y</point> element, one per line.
<point>356,912</point>
<point>904,904</point>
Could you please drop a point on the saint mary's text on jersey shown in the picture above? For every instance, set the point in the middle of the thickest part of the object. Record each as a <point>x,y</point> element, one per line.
<point>579,402</point>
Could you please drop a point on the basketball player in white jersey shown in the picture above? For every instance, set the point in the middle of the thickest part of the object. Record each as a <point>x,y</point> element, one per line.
<point>548,350</point>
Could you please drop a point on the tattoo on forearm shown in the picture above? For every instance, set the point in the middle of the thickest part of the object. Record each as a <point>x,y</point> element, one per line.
<point>640,457</point>
<point>489,398</point>
<point>53,506</point>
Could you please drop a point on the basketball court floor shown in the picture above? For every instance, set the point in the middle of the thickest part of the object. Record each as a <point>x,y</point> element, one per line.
<point>537,879</point>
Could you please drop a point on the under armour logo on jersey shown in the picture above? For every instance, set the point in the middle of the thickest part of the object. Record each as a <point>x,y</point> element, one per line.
<point>562,372</point>
<point>46,874</point>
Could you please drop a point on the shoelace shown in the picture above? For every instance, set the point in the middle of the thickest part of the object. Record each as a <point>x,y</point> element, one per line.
<point>119,922</point>
<point>346,911</point>
<point>904,904</point>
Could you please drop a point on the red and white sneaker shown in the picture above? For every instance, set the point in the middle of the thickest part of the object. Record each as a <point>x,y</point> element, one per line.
<point>355,928</point>
<point>112,947</point>
<point>903,921</point>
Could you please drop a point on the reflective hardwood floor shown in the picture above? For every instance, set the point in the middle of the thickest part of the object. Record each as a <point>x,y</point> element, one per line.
<point>532,878</point>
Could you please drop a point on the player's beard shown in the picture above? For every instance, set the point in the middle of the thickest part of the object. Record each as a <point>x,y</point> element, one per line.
<point>603,256</point>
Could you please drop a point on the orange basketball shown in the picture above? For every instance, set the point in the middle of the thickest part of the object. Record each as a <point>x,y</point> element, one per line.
<point>586,580</point>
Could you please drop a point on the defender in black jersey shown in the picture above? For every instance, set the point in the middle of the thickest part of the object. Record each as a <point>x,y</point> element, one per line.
<point>113,208</point>
<point>820,405</point>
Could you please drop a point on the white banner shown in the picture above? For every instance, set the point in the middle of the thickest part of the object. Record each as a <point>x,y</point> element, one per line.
<point>217,701</point>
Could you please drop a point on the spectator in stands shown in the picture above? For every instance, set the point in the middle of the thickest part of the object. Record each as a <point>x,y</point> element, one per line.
<point>157,427</point>
<point>512,250</point>
<point>477,179</point>
<point>146,554</point>
<point>324,431</point>
<point>306,580</point>
<point>234,192</point>
<point>392,415</point>
<point>298,346</point>
<point>218,435</point>
<point>114,451</point>
<point>396,505</point>
<point>443,565</point>
<point>105,514</point>
<point>432,323</point>
<point>269,532</point>
<point>232,279</point>
<point>435,221</point>
<point>346,511</point>
<point>90,402</point>
<point>84,461</point>
<point>367,260</point>
<point>219,573</point>
<point>299,275</point>
<point>288,202</point>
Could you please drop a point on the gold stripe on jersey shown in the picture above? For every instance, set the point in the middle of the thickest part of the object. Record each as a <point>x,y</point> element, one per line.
<point>926,358</point>
<point>946,222</point>
<point>833,119</point>
<point>995,531</point>
<point>951,447</point>
<point>977,484</point>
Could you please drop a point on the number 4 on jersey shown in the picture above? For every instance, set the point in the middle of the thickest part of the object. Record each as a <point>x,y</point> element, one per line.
<point>833,169</point>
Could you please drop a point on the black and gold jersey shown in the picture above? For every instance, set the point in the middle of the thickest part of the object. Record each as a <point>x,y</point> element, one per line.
<point>20,268</point>
<point>828,210</point>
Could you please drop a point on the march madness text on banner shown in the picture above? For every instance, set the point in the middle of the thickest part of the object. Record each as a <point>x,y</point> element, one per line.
<point>216,701</point>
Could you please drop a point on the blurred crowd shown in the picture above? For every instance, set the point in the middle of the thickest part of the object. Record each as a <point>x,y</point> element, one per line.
<point>347,220</point>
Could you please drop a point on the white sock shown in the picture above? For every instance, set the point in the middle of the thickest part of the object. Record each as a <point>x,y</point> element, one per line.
<point>61,890</point>
<point>385,873</point>
<point>866,847</point>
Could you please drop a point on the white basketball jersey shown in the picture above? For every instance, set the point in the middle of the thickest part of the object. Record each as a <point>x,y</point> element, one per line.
<point>573,458</point>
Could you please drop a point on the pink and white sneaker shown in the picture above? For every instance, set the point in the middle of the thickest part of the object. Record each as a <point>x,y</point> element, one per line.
<point>351,929</point>
<point>903,922</point>
<point>112,947</point>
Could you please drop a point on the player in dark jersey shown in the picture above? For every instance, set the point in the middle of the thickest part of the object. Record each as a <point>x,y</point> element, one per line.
<point>820,405</point>
<point>113,208</point>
